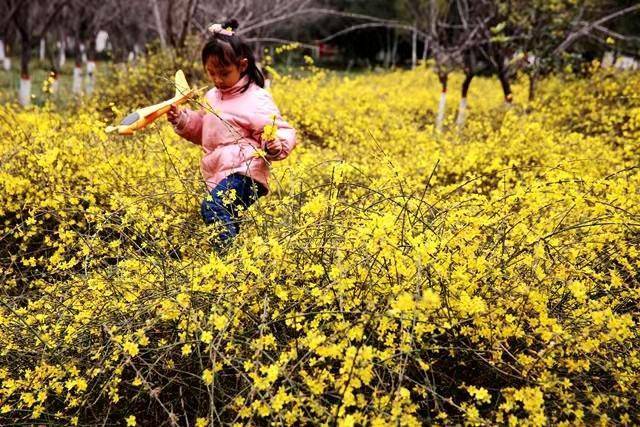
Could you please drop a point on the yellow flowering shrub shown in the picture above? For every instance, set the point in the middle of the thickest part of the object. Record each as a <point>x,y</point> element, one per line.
<point>394,276</point>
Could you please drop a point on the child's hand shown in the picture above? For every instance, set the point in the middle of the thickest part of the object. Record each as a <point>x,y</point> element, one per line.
<point>273,147</point>
<point>173,114</point>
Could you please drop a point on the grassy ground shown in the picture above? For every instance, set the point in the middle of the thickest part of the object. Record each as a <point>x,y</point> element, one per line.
<point>10,80</point>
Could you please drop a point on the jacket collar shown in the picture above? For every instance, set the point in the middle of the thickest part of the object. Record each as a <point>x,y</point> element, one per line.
<point>235,89</point>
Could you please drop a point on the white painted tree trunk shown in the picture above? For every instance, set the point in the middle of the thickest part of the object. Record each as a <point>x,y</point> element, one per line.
<point>414,48</point>
<point>76,85</point>
<point>2,54</point>
<point>62,57</point>
<point>90,78</point>
<point>387,51</point>
<point>43,48</point>
<point>462,113</point>
<point>55,85</point>
<point>441,109</point>
<point>83,53</point>
<point>101,41</point>
<point>425,48</point>
<point>24,96</point>
<point>6,64</point>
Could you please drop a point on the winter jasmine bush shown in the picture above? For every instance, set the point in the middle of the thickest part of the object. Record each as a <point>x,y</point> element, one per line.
<point>394,276</point>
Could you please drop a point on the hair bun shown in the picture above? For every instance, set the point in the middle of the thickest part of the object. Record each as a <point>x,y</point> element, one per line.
<point>231,23</point>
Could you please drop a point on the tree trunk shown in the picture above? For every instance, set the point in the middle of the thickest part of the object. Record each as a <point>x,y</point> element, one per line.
<point>62,54</point>
<point>90,78</point>
<point>24,96</point>
<point>51,56</point>
<point>425,49</point>
<point>414,47</point>
<point>159,27</point>
<point>43,47</point>
<point>394,50</point>
<point>506,87</point>
<point>192,5</point>
<point>2,54</point>
<point>172,39</point>
<point>257,50</point>
<point>76,85</point>
<point>462,109</point>
<point>532,85</point>
<point>90,70</point>
<point>443,101</point>
<point>77,51</point>
<point>504,79</point>
<point>25,55</point>
<point>54,68</point>
<point>387,51</point>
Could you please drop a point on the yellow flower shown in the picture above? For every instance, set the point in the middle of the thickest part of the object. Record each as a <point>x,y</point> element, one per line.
<point>404,302</point>
<point>206,337</point>
<point>269,132</point>
<point>479,393</point>
<point>131,348</point>
<point>186,350</point>
<point>207,376</point>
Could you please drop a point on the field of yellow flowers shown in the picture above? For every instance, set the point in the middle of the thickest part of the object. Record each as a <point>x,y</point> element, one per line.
<point>395,276</point>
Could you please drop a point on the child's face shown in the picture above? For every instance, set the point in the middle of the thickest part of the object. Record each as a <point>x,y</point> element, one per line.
<point>224,76</point>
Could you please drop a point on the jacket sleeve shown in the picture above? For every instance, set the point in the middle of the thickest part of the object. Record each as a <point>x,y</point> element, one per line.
<point>264,115</point>
<point>189,125</point>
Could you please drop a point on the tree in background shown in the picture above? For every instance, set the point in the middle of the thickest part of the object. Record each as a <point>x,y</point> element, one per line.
<point>477,37</point>
<point>32,20</point>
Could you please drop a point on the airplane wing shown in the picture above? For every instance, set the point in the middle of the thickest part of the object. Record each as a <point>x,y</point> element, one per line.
<point>182,87</point>
<point>144,112</point>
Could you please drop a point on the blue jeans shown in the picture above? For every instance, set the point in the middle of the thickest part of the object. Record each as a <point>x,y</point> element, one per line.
<point>223,207</point>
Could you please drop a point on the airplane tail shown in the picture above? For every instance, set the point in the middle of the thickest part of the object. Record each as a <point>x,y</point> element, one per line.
<point>182,87</point>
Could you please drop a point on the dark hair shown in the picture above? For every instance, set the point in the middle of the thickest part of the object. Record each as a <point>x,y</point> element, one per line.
<point>230,50</point>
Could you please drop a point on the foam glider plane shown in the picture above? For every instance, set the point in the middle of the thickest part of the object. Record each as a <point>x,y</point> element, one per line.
<point>143,117</point>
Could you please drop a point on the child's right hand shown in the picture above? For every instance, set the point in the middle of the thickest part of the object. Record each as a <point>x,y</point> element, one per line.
<point>173,114</point>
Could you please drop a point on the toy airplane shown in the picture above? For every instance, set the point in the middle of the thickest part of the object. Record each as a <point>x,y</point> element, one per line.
<point>141,118</point>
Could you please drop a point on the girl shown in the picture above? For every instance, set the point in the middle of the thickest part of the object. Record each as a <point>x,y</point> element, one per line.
<point>236,174</point>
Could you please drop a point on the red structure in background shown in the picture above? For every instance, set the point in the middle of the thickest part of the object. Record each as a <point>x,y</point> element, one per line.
<point>325,51</point>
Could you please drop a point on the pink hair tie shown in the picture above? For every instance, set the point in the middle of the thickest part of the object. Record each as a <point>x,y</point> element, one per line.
<point>217,29</point>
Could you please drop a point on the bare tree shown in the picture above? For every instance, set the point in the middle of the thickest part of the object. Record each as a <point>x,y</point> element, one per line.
<point>32,20</point>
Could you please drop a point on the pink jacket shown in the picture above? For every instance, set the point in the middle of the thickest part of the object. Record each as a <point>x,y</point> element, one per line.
<point>230,137</point>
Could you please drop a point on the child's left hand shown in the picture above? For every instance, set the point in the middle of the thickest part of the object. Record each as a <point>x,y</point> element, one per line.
<point>273,147</point>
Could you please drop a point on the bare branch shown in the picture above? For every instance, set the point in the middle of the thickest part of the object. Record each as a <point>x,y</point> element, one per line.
<point>11,13</point>
<point>278,40</point>
<point>373,25</point>
<point>573,37</point>
<point>318,11</point>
